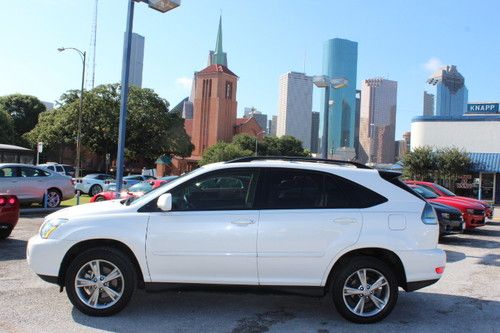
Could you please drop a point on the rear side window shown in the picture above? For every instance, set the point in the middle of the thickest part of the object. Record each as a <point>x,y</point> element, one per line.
<point>302,189</point>
<point>32,172</point>
<point>293,189</point>
<point>59,168</point>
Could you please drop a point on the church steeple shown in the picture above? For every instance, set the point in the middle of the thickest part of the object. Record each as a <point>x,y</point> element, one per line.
<point>218,57</point>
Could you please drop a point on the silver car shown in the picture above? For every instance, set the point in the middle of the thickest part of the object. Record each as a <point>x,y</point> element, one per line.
<point>31,184</point>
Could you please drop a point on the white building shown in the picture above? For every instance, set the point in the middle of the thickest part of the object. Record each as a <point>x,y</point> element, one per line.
<point>478,135</point>
<point>295,107</point>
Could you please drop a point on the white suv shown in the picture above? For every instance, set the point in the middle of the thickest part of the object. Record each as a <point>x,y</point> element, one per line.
<point>319,227</point>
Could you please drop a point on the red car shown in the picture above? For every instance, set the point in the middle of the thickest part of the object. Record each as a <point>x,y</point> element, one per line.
<point>444,192</point>
<point>473,213</point>
<point>9,214</point>
<point>133,191</point>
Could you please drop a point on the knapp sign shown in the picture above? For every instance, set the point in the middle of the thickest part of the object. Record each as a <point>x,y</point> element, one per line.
<point>483,108</point>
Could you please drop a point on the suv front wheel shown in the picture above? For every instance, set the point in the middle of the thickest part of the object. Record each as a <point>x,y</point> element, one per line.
<point>100,281</point>
<point>364,290</point>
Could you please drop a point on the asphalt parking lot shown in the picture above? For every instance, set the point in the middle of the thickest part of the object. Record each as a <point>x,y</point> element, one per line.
<point>467,298</point>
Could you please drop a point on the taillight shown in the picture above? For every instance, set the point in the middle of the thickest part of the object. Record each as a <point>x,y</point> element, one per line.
<point>429,215</point>
<point>12,201</point>
<point>3,201</point>
<point>440,270</point>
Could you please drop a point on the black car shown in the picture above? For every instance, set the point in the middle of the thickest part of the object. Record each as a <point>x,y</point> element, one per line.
<point>450,219</point>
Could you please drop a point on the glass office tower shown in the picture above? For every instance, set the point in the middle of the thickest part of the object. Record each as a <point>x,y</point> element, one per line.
<point>340,59</point>
<point>451,92</point>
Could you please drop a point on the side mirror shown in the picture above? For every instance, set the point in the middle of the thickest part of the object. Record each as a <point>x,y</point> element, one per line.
<point>165,202</point>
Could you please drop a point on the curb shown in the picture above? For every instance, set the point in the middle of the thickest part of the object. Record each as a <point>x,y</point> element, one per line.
<point>38,211</point>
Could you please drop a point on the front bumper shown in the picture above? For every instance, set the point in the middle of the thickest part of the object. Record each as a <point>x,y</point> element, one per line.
<point>45,256</point>
<point>447,227</point>
<point>474,221</point>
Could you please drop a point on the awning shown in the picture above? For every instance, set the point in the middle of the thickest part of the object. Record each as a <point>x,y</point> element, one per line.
<point>485,162</point>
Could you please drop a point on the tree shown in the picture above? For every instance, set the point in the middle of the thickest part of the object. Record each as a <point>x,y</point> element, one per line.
<point>23,109</point>
<point>420,163</point>
<point>7,131</point>
<point>285,145</point>
<point>451,163</point>
<point>223,151</point>
<point>151,129</point>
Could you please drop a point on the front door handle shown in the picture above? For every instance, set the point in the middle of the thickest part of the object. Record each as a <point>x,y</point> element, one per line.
<point>344,220</point>
<point>243,222</point>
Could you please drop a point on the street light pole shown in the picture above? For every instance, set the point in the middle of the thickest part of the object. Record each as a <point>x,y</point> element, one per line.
<point>161,6</point>
<point>83,55</point>
<point>124,97</point>
<point>324,138</point>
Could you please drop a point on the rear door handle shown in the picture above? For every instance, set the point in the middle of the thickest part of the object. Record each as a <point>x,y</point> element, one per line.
<point>344,220</point>
<point>243,222</point>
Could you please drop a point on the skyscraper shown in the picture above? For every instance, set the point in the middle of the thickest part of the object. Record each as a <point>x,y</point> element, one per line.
<point>428,104</point>
<point>315,132</point>
<point>259,117</point>
<point>378,120</point>
<point>295,107</point>
<point>451,92</point>
<point>273,124</point>
<point>136,60</point>
<point>340,59</point>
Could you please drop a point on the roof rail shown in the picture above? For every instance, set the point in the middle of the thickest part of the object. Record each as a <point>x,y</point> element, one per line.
<point>298,159</point>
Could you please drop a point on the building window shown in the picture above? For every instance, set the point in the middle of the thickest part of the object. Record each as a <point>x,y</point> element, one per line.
<point>229,90</point>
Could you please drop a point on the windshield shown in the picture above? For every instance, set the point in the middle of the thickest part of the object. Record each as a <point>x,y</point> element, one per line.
<point>141,187</point>
<point>424,192</point>
<point>446,191</point>
<point>162,189</point>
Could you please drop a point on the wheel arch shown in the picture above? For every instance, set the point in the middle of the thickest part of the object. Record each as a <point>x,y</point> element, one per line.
<point>387,256</point>
<point>78,248</point>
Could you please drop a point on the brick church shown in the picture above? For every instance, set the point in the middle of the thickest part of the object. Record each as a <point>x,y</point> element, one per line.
<point>210,112</point>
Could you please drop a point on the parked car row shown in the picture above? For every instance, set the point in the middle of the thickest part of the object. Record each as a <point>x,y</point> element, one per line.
<point>137,190</point>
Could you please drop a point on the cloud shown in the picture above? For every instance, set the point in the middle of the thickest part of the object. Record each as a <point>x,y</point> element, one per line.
<point>433,64</point>
<point>184,82</point>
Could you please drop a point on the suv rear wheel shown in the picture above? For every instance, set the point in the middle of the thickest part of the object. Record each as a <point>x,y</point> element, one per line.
<point>100,281</point>
<point>364,290</point>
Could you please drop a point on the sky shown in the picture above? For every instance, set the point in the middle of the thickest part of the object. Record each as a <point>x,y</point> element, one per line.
<point>399,40</point>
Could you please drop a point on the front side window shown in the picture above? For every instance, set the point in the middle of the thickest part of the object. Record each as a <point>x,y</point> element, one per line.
<point>224,190</point>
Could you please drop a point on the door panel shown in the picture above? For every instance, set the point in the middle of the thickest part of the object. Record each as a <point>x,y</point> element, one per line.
<point>295,247</point>
<point>203,247</point>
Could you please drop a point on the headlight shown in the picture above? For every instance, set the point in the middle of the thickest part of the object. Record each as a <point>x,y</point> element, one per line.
<point>445,216</point>
<point>470,211</point>
<point>48,227</point>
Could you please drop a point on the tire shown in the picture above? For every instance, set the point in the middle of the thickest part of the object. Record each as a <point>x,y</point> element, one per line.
<point>54,198</point>
<point>100,198</point>
<point>83,267</point>
<point>95,189</point>
<point>4,233</point>
<point>361,298</point>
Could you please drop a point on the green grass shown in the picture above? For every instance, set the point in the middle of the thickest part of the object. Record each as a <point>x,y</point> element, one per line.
<point>72,202</point>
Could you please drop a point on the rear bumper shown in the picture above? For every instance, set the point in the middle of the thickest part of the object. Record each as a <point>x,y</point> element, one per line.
<point>421,265</point>
<point>416,285</point>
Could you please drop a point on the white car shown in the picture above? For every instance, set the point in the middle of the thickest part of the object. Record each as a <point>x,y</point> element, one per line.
<point>62,169</point>
<point>93,184</point>
<point>34,184</point>
<point>351,233</point>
